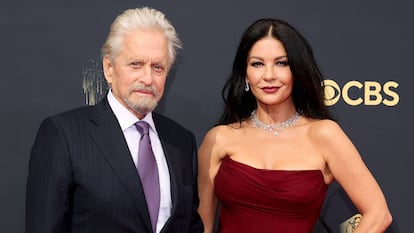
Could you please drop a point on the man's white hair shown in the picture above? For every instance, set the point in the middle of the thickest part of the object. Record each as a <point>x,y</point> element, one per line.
<point>140,18</point>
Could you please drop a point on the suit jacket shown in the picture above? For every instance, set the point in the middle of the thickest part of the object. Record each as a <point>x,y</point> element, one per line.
<point>82,178</point>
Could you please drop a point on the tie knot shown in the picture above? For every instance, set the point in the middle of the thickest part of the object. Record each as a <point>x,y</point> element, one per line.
<point>142,127</point>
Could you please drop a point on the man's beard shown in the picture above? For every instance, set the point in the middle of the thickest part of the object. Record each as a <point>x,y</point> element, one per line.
<point>143,105</point>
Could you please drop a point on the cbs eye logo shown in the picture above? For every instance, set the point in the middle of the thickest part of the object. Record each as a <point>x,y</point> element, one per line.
<point>357,93</point>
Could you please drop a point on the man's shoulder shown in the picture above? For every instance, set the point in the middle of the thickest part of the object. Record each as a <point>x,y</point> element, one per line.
<point>161,120</point>
<point>79,113</point>
<point>83,110</point>
<point>72,113</point>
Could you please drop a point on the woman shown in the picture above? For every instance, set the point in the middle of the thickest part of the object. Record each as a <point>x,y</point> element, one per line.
<point>276,149</point>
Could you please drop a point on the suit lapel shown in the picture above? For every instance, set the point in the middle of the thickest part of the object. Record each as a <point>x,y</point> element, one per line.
<point>169,151</point>
<point>109,138</point>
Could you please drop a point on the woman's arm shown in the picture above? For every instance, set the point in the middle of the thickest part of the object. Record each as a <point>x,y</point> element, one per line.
<point>348,168</point>
<point>208,164</point>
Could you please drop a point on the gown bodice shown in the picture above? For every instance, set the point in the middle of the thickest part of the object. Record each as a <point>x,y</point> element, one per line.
<point>273,201</point>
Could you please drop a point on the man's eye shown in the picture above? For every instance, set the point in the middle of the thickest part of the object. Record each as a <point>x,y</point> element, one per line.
<point>135,63</point>
<point>158,68</point>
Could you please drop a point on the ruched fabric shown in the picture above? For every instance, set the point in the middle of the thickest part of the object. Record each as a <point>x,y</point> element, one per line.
<point>268,201</point>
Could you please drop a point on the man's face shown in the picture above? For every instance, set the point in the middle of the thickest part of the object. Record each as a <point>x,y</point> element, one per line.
<point>138,74</point>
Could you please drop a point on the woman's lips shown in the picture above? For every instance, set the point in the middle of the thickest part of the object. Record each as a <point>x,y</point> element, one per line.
<point>270,90</point>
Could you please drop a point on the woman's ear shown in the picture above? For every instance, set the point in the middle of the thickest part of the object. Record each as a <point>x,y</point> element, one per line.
<point>246,87</point>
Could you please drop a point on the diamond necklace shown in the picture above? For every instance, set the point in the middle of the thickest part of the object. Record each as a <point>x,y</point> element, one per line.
<point>275,128</point>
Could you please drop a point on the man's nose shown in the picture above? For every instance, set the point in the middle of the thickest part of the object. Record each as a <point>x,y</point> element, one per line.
<point>146,75</point>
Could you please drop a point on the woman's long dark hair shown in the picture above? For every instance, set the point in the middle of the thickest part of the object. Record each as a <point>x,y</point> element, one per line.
<point>308,90</point>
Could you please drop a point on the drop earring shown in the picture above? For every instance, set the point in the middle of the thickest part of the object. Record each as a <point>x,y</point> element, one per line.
<point>247,87</point>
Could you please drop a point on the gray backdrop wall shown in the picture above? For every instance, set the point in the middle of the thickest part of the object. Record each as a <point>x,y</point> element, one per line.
<point>365,47</point>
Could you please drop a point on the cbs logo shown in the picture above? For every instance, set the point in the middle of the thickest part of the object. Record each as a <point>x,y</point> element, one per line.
<point>356,93</point>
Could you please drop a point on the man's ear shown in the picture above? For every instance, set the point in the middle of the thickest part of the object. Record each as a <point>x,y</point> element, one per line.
<point>108,69</point>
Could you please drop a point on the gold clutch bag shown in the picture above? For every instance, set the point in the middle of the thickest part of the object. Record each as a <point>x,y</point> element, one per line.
<point>350,224</point>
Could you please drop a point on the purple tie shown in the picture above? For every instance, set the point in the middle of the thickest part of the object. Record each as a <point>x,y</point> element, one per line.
<point>148,172</point>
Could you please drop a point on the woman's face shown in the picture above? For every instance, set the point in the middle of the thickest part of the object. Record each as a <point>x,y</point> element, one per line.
<point>268,72</point>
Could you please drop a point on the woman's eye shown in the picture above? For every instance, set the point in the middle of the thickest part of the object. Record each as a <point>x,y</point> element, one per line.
<point>256,64</point>
<point>282,63</point>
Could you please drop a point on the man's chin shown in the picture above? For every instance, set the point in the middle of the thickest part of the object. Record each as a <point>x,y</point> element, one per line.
<point>141,105</point>
<point>143,110</point>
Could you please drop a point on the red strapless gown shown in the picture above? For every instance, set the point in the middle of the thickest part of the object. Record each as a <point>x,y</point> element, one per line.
<point>268,201</point>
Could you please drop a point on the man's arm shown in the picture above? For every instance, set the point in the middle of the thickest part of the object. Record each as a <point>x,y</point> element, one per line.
<point>49,182</point>
<point>196,223</point>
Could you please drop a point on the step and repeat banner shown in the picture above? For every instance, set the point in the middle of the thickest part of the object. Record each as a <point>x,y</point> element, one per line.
<point>50,62</point>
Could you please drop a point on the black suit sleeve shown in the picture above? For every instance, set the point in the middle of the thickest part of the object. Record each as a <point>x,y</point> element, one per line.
<point>196,222</point>
<point>49,182</point>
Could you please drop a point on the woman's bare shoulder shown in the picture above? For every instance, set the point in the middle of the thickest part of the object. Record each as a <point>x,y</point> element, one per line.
<point>215,142</point>
<point>324,129</point>
<point>221,132</point>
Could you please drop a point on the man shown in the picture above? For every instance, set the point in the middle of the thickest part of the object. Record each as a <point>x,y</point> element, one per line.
<point>88,171</point>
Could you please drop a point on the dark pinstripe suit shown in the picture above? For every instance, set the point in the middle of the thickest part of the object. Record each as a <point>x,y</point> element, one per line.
<point>82,178</point>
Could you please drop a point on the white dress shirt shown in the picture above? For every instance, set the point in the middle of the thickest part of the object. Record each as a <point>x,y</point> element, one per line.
<point>127,122</point>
